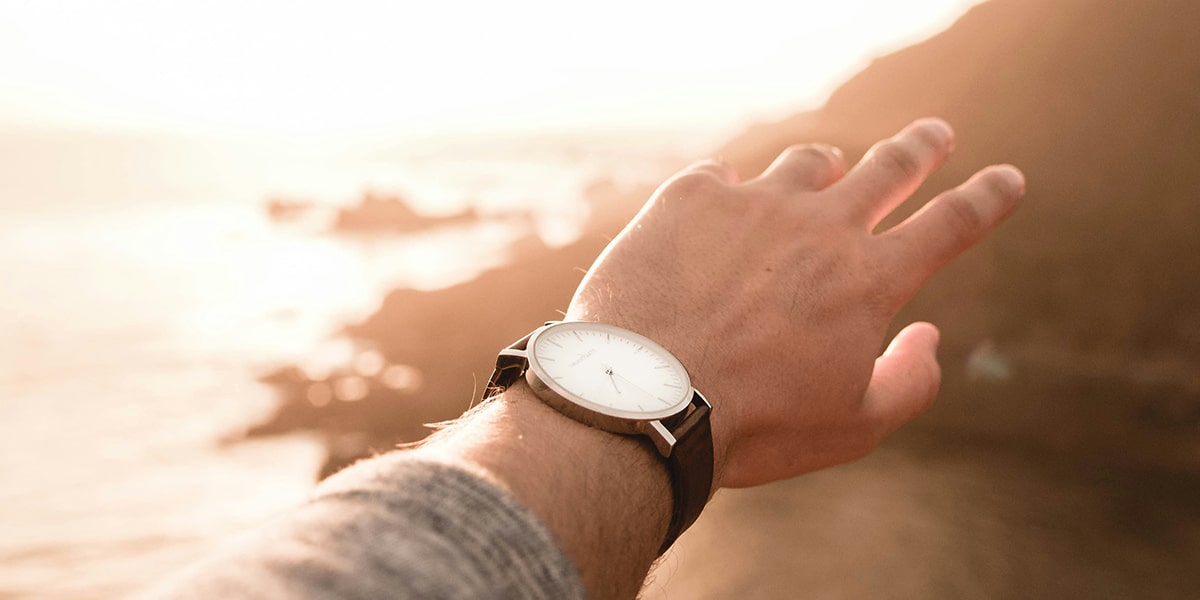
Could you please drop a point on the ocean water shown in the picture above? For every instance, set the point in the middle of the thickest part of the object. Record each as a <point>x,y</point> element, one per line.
<point>143,288</point>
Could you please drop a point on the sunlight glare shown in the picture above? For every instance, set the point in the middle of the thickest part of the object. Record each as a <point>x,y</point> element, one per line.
<point>288,67</point>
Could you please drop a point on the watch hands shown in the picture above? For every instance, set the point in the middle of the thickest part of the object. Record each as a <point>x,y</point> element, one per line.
<point>608,371</point>
<point>635,386</point>
<point>613,376</point>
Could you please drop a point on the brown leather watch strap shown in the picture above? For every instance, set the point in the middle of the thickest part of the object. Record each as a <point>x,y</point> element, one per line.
<point>691,466</point>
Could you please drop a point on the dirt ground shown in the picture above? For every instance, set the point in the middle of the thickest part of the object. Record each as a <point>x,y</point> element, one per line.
<point>941,518</point>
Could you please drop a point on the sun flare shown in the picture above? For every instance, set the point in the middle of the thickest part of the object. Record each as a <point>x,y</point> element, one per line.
<point>286,67</point>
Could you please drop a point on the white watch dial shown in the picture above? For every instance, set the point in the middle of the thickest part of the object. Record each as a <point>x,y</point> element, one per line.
<point>609,369</point>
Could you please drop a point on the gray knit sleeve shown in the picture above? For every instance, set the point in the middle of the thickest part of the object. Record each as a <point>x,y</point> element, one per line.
<point>393,527</point>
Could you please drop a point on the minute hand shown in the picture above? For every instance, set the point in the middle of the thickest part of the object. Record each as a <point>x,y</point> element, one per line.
<point>637,387</point>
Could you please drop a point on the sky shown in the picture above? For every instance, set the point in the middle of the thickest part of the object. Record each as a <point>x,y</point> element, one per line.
<point>354,67</point>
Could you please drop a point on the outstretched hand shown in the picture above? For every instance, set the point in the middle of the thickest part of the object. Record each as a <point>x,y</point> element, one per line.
<point>776,294</point>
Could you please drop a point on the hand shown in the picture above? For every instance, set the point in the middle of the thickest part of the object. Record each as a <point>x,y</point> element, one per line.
<point>776,294</point>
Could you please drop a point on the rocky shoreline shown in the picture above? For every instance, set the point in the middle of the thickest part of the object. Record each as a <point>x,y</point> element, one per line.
<point>445,341</point>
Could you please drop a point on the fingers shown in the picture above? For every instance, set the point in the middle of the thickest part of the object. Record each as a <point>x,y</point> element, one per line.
<point>906,378</point>
<point>951,223</point>
<point>721,170</point>
<point>806,167</point>
<point>893,169</point>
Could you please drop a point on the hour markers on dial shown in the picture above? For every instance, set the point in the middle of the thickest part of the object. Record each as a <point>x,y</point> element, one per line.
<point>609,369</point>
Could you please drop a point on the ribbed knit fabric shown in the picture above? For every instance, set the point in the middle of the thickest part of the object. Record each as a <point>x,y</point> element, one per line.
<point>392,527</point>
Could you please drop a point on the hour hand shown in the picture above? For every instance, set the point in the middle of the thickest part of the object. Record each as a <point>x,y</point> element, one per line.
<point>611,377</point>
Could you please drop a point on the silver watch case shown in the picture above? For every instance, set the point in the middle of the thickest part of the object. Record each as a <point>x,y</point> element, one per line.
<point>656,425</point>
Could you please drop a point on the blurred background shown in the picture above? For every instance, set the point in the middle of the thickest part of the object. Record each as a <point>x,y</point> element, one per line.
<point>243,244</point>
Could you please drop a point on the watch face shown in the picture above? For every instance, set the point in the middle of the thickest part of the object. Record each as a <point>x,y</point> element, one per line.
<point>609,370</point>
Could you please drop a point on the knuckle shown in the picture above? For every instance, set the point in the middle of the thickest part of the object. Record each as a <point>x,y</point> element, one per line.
<point>964,217</point>
<point>710,165</point>
<point>808,153</point>
<point>898,157</point>
<point>693,182</point>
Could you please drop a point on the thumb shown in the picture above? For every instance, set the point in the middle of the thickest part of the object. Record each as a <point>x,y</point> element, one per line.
<point>905,381</point>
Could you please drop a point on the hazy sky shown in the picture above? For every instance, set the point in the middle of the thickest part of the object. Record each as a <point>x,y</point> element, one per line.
<point>354,67</point>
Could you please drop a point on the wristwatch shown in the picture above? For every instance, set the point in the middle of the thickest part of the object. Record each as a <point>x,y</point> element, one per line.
<point>619,381</point>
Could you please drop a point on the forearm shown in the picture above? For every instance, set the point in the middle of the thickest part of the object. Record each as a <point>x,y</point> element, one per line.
<point>400,525</point>
<point>394,526</point>
<point>605,497</point>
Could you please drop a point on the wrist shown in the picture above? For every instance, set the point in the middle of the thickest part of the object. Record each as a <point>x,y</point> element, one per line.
<point>605,497</point>
<point>691,352</point>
